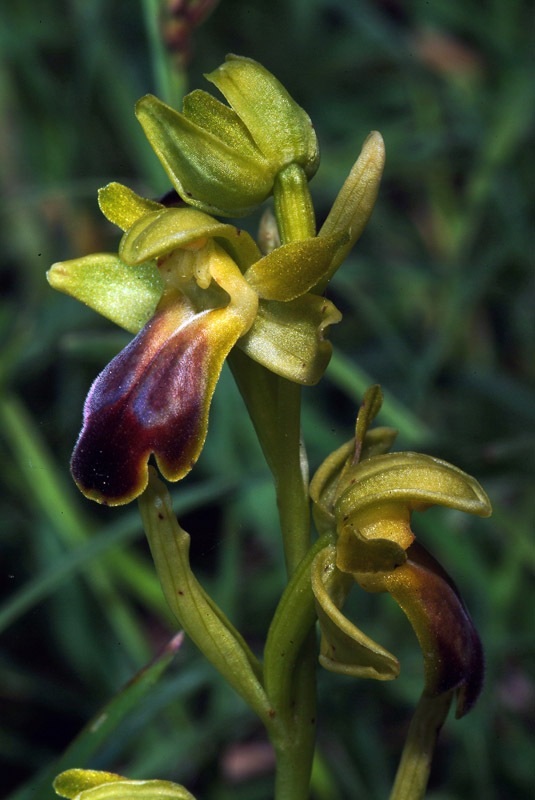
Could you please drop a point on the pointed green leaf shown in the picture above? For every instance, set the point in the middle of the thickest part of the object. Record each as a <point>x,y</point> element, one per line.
<point>206,172</point>
<point>291,270</point>
<point>201,619</point>
<point>126,294</point>
<point>344,648</point>
<point>122,206</point>
<point>288,338</point>
<point>161,232</point>
<point>292,622</point>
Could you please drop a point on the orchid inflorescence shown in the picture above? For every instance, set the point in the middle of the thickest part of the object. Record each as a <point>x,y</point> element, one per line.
<point>192,289</point>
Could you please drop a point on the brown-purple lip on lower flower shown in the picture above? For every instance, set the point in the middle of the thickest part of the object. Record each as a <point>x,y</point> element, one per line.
<point>452,650</point>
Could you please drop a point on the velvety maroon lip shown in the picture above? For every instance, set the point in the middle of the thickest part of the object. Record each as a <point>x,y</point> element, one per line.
<point>452,648</point>
<point>149,399</point>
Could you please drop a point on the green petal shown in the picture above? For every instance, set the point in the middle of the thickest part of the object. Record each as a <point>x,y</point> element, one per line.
<point>324,486</point>
<point>160,232</point>
<point>291,270</point>
<point>281,129</point>
<point>344,648</point>
<point>89,784</point>
<point>288,338</point>
<point>357,555</point>
<point>122,206</point>
<point>126,294</point>
<point>218,119</point>
<point>356,199</point>
<point>413,480</point>
<point>204,169</point>
<point>377,442</point>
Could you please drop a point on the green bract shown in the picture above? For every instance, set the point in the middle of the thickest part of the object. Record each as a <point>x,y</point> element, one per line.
<point>225,160</point>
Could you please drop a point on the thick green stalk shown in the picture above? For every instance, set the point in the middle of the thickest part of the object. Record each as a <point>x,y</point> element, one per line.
<point>413,771</point>
<point>295,219</point>
<point>294,749</point>
<point>293,206</point>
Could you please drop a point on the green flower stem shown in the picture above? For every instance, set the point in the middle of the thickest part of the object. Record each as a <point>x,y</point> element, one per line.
<point>293,205</point>
<point>291,476</point>
<point>413,771</point>
<point>295,218</point>
<point>292,677</point>
<point>295,751</point>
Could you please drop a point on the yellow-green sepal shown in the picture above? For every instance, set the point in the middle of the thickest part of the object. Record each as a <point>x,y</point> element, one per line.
<point>204,168</point>
<point>344,648</point>
<point>353,207</point>
<point>412,480</point>
<point>289,338</point>
<point>123,206</point>
<point>90,784</point>
<point>280,128</point>
<point>161,232</point>
<point>218,119</point>
<point>325,484</point>
<point>124,293</point>
<point>291,270</point>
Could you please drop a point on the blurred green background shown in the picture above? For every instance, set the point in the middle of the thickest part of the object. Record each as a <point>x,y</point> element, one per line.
<point>438,300</point>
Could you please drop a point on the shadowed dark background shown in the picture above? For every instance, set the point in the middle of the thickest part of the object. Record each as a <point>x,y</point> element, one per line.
<point>438,301</point>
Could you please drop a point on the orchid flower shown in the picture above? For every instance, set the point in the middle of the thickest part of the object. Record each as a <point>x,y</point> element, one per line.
<point>368,497</point>
<point>191,288</point>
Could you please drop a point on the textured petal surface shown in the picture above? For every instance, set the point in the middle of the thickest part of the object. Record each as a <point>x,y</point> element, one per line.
<point>288,338</point>
<point>452,650</point>
<point>291,270</point>
<point>154,397</point>
<point>122,206</point>
<point>128,295</point>
<point>206,171</point>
